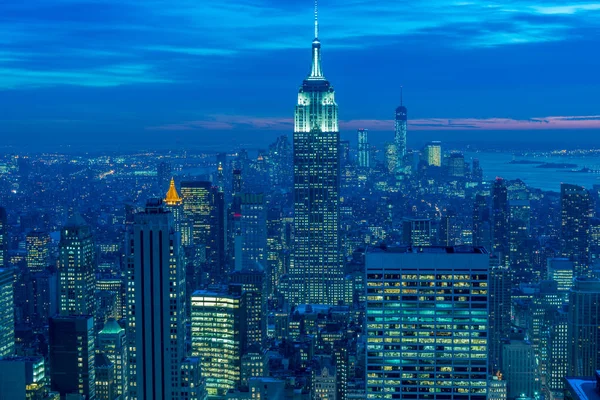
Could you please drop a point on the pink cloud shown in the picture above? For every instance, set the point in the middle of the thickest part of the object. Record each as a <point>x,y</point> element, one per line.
<point>242,122</point>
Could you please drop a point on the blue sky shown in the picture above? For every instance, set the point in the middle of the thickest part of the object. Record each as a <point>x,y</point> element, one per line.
<point>88,71</point>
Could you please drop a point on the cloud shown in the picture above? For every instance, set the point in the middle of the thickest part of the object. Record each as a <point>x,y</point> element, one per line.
<point>80,35</point>
<point>239,122</point>
<point>108,76</point>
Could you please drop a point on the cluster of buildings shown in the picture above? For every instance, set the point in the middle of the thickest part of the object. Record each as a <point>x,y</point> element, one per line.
<point>313,270</point>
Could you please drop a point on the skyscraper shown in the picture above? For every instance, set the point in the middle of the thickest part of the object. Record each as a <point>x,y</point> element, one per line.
<point>3,238</point>
<point>427,323</point>
<point>576,211</point>
<point>112,342</point>
<point>433,154</point>
<point>163,172</point>
<point>174,203</point>
<point>500,220</point>
<point>251,235</point>
<point>77,270</point>
<point>72,355</point>
<point>482,225</point>
<point>217,338</point>
<point>7,317</point>
<point>400,134</point>
<point>204,206</point>
<point>583,351</point>
<point>500,319</point>
<point>364,159</point>
<point>38,252</point>
<point>156,300</point>
<point>316,273</point>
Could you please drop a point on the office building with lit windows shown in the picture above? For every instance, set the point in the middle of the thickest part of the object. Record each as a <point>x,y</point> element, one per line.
<point>433,154</point>
<point>76,269</point>
<point>23,378</point>
<point>427,323</point>
<point>37,245</point>
<point>316,273</point>
<point>112,341</point>
<point>3,238</point>
<point>561,271</point>
<point>7,316</point>
<point>364,152</point>
<point>217,338</point>
<point>401,122</point>
<point>156,306</point>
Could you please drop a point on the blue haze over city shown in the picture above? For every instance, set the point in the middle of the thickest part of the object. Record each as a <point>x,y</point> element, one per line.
<point>299,199</point>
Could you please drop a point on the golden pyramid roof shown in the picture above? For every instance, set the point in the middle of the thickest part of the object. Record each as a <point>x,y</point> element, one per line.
<point>172,198</point>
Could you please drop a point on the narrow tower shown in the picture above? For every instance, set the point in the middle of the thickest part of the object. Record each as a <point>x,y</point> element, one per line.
<point>400,137</point>
<point>316,273</point>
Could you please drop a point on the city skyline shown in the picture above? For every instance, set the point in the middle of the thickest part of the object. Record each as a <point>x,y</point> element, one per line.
<point>129,70</point>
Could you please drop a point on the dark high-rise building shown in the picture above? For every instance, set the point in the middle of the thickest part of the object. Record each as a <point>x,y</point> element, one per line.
<point>482,225</point>
<point>280,162</point>
<point>400,134</point>
<point>253,283</point>
<point>316,273</point>
<point>3,238</point>
<point>204,206</point>
<point>72,355</point>
<point>500,304</point>
<point>364,152</point>
<point>500,220</point>
<point>156,306</point>
<point>76,268</point>
<point>576,211</point>
<point>583,350</point>
<point>164,174</point>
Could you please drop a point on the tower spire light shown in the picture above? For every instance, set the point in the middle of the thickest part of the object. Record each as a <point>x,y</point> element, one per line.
<point>316,19</point>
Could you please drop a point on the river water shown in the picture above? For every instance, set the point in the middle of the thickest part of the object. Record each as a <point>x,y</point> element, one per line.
<point>549,179</point>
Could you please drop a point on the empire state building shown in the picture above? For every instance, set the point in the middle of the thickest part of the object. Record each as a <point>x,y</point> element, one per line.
<point>316,272</point>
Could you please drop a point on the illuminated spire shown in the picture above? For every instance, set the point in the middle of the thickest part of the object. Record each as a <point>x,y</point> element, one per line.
<point>172,198</point>
<point>316,19</point>
<point>316,71</point>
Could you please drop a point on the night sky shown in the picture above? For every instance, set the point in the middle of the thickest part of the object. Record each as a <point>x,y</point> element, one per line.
<point>89,72</point>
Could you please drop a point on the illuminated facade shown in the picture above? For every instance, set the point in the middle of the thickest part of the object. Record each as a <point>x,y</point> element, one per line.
<point>400,134</point>
<point>433,154</point>
<point>112,341</point>
<point>3,238</point>
<point>216,338</point>
<point>38,252</point>
<point>364,153</point>
<point>427,323</point>
<point>174,203</point>
<point>204,206</point>
<point>23,378</point>
<point>76,268</point>
<point>561,271</point>
<point>156,306</point>
<point>316,272</point>
<point>7,317</point>
<point>416,232</point>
